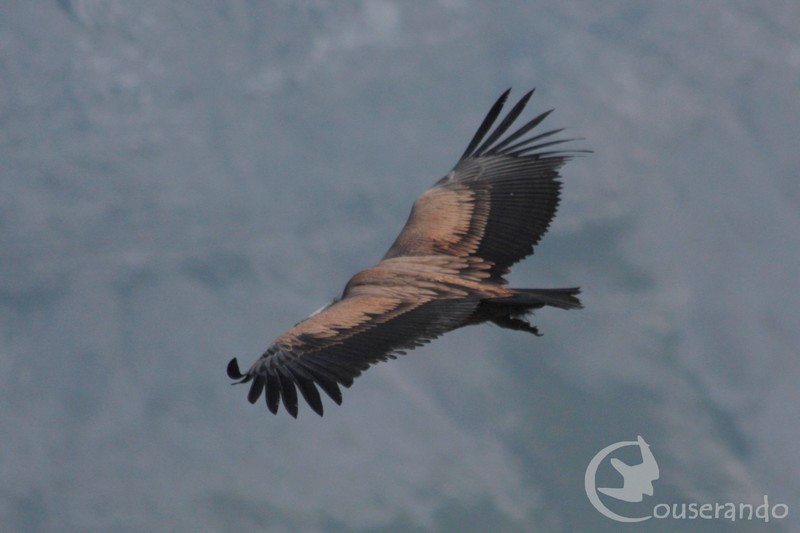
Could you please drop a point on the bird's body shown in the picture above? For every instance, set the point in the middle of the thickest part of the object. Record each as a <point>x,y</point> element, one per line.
<point>444,271</point>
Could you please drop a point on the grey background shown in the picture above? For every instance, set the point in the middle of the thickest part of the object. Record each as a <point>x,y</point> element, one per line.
<point>182,181</point>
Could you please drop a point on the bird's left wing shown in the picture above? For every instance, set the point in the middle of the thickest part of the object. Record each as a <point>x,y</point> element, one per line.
<point>334,346</point>
<point>497,202</point>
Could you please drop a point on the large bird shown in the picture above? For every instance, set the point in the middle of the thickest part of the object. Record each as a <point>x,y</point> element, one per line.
<point>444,271</point>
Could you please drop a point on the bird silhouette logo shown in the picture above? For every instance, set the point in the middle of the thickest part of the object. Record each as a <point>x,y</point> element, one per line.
<point>637,479</point>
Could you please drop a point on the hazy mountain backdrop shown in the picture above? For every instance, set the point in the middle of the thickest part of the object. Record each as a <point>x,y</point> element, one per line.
<point>182,181</point>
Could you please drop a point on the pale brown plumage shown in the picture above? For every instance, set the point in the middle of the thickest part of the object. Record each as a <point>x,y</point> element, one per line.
<point>444,271</point>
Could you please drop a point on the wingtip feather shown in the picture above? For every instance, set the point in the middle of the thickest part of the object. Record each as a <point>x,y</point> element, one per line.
<point>255,389</point>
<point>273,393</point>
<point>233,370</point>
<point>487,123</point>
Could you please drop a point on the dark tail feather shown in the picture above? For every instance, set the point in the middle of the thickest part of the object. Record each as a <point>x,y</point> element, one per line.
<point>537,298</point>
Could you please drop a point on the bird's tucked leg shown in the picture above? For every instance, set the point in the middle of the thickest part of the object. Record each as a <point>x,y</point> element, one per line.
<point>518,324</point>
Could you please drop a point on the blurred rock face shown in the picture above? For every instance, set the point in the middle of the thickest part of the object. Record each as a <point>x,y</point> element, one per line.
<point>180,183</point>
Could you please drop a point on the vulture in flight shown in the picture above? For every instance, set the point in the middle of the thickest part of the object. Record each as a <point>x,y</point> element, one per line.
<point>445,270</point>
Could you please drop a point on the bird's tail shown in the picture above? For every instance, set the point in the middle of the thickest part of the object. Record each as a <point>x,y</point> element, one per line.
<point>537,298</point>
